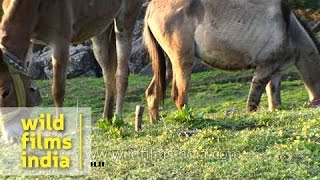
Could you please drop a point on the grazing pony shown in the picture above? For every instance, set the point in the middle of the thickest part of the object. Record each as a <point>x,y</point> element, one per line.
<point>57,23</point>
<point>230,35</point>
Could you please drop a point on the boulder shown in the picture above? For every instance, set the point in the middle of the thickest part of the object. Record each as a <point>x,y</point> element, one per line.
<point>198,66</point>
<point>139,56</point>
<point>82,63</point>
<point>147,70</point>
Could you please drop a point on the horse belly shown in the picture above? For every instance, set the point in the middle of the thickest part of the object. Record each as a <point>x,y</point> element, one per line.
<point>93,17</point>
<point>240,34</point>
<point>78,20</point>
<point>226,60</point>
<point>218,53</point>
<point>89,29</point>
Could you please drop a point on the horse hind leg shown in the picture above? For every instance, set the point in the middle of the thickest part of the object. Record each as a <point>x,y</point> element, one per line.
<point>258,86</point>
<point>309,69</point>
<point>169,73</point>
<point>182,69</point>
<point>104,49</point>
<point>273,91</point>
<point>153,98</point>
<point>181,58</point>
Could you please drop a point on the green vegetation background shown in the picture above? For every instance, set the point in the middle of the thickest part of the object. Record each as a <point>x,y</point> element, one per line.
<point>314,4</point>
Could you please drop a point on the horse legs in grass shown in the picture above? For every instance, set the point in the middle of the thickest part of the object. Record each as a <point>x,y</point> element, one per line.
<point>104,48</point>
<point>180,84</point>
<point>122,72</point>
<point>258,86</point>
<point>309,69</point>
<point>182,69</point>
<point>124,27</point>
<point>112,50</point>
<point>60,59</point>
<point>273,91</point>
<point>169,73</point>
<point>153,98</point>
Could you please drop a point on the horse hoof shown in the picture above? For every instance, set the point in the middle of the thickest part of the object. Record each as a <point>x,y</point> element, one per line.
<point>315,103</point>
<point>13,140</point>
<point>8,141</point>
<point>231,112</point>
<point>11,132</point>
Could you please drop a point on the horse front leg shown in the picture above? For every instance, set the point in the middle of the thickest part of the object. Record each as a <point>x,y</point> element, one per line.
<point>11,131</point>
<point>124,31</point>
<point>122,72</point>
<point>258,86</point>
<point>104,48</point>
<point>60,59</point>
<point>273,91</point>
<point>124,26</point>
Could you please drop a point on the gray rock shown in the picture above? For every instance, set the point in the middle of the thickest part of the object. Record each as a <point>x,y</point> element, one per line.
<point>40,65</point>
<point>146,71</point>
<point>198,66</point>
<point>139,57</point>
<point>37,97</point>
<point>82,63</point>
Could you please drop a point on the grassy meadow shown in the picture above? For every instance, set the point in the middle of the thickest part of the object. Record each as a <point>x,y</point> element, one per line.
<point>214,138</point>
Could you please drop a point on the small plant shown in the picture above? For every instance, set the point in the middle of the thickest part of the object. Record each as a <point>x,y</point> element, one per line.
<point>186,115</point>
<point>103,124</point>
<point>114,128</point>
<point>117,121</point>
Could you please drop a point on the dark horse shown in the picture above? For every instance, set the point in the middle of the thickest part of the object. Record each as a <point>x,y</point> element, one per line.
<point>230,35</point>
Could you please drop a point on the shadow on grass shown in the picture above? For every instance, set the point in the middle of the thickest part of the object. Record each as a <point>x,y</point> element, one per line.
<point>235,122</point>
<point>225,124</point>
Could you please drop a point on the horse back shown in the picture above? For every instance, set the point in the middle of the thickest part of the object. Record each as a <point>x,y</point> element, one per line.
<point>76,20</point>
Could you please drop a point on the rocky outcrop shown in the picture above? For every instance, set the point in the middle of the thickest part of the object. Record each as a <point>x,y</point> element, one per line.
<point>82,63</point>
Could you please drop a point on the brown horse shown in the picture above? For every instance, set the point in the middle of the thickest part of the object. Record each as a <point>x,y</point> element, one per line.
<point>229,35</point>
<point>109,23</point>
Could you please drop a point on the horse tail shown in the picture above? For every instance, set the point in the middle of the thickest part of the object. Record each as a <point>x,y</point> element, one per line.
<point>157,57</point>
<point>311,34</point>
<point>289,15</point>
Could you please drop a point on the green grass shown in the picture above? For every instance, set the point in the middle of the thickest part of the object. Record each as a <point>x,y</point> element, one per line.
<point>203,141</point>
